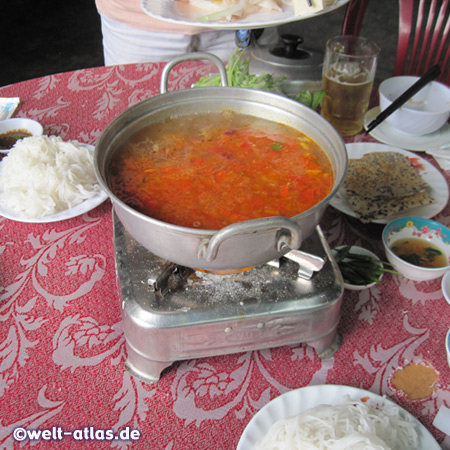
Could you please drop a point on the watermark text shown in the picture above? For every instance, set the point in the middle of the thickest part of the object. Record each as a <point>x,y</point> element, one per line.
<point>80,434</point>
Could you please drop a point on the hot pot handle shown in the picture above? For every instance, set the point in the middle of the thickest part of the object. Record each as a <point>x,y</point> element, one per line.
<point>193,57</point>
<point>289,235</point>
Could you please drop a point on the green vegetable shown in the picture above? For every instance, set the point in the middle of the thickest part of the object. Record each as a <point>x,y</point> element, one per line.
<point>429,256</point>
<point>359,269</point>
<point>238,7</point>
<point>277,146</point>
<point>310,99</point>
<point>238,75</point>
<point>304,97</point>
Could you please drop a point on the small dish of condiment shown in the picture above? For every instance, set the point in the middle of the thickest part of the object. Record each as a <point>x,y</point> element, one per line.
<point>418,248</point>
<point>11,130</point>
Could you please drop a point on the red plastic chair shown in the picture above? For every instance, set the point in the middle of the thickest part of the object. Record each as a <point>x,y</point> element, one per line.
<point>424,37</point>
<point>423,34</point>
<point>356,9</point>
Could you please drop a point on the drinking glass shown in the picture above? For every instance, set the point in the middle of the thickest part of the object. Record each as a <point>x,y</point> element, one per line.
<point>348,73</point>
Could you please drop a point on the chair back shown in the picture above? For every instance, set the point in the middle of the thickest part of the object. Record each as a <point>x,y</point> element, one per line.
<point>423,34</point>
<point>423,38</point>
<point>354,16</point>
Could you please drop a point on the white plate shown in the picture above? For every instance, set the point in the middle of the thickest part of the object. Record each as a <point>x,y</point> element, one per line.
<point>389,135</point>
<point>182,13</point>
<point>431,175</point>
<point>82,208</point>
<point>297,401</point>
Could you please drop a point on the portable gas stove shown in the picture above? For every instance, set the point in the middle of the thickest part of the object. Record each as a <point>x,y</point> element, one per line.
<point>172,313</point>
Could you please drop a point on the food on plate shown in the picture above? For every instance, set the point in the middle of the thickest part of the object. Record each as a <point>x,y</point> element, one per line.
<point>230,10</point>
<point>384,183</point>
<point>234,10</point>
<point>211,170</point>
<point>351,424</point>
<point>43,175</point>
<point>419,252</point>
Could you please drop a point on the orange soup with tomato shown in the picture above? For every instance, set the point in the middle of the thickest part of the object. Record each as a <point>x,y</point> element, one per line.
<point>211,170</point>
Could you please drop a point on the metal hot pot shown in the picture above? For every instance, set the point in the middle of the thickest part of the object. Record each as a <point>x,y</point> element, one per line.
<point>239,245</point>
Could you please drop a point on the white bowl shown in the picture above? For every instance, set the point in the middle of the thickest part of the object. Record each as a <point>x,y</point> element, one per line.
<point>424,113</point>
<point>417,227</point>
<point>360,251</point>
<point>445,286</point>
<point>447,346</point>
<point>30,125</point>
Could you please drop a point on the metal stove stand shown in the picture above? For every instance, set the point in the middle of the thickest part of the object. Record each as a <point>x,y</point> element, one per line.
<point>173,313</point>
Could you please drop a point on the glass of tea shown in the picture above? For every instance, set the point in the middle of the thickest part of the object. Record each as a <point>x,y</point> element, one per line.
<point>348,73</point>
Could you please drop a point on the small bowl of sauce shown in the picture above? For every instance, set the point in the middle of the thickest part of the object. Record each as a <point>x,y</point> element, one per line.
<point>418,248</point>
<point>420,252</point>
<point>11,130</point>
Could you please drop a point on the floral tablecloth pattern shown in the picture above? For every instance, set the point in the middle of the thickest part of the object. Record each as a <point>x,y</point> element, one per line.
<point>62,348</point>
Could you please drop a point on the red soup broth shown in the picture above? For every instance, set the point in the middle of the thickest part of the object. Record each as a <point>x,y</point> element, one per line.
<point>211,170</point>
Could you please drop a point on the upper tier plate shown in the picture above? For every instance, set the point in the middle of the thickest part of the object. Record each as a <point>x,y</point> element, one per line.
<point>182,13</point>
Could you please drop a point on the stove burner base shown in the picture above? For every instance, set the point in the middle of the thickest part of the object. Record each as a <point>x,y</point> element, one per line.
<point>211,315</point>
<point>149,371</point>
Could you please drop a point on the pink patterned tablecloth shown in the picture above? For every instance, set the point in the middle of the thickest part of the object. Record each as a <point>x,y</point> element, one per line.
<point>62,349</point>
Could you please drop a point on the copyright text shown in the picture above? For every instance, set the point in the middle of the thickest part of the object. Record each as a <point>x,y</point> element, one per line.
<point>81,434</point>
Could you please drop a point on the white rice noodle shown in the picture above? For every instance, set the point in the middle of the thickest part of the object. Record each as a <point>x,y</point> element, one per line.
<point>354,425</point>
<point>43,175</point>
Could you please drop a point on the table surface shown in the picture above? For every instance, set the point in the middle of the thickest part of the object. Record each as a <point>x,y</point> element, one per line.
<point>62,349</point>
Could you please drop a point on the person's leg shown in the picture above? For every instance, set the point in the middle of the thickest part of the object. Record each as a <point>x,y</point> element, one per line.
<point>123,44</point>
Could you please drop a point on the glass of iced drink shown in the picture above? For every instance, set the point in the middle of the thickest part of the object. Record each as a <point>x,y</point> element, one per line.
<point>348,73</point>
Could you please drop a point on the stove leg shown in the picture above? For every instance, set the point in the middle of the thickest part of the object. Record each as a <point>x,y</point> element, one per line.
<point>327,346</point>
<point>143,368</point>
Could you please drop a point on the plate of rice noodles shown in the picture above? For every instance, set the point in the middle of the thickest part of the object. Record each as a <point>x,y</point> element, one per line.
<point>45,179</point>
<point>334,417</point>
<point>236,14</point>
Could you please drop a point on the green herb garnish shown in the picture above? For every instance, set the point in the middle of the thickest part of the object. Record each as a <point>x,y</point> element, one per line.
<point>239,6</point>
<point>419,260</point>
<point>310,99</point>
<point>359,269</point>
<point>238,74</point>
<point>277,146</point>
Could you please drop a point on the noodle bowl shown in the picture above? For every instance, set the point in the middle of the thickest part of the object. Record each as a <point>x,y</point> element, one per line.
<point>359,425</point>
